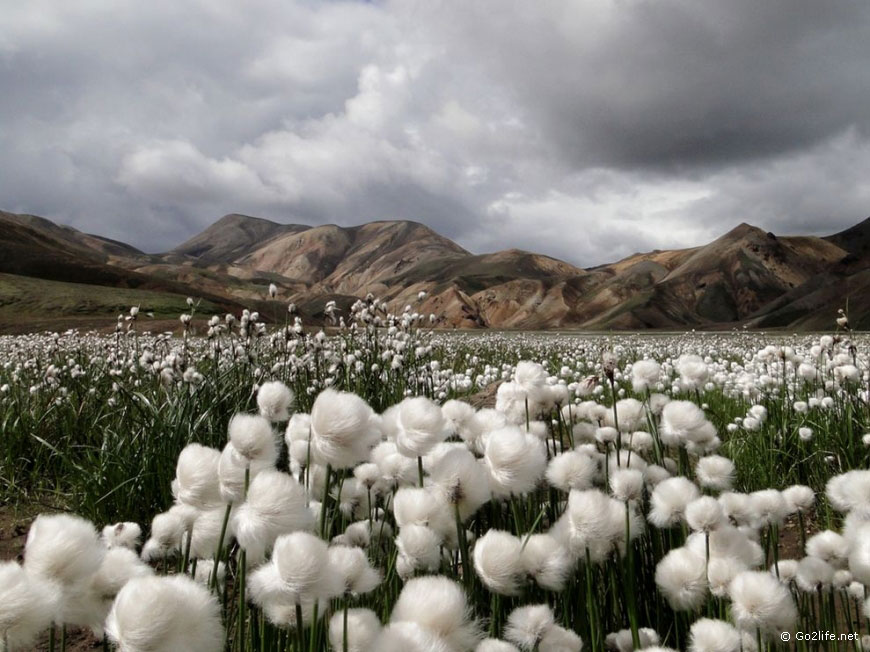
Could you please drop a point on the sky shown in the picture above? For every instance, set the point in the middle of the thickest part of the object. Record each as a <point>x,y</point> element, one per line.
<point>585,129</point>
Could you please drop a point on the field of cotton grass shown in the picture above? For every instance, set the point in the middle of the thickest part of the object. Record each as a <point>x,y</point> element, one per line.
<point>385,487</point>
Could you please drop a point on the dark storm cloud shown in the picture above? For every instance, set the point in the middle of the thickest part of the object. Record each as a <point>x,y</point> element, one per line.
<point>586,130</point>
<point>673,82</point>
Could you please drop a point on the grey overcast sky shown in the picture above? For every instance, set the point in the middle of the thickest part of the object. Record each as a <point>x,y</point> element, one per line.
<point>585,129</point>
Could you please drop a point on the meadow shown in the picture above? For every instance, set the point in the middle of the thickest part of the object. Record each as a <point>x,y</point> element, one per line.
<point>386,486</point>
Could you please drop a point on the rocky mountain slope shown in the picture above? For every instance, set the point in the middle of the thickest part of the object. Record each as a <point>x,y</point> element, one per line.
<point>745,277</point>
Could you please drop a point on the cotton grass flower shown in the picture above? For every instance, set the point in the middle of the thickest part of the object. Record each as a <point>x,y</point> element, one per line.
<point>606,435</point>
<point>234,469</point>
<point>252,437</point>
<point>396,469</point>
<point>704,514</point>
<point>362,627</point>
<point>759,601</point>
<point>63,549</point>
<point>849,491</point>
<point>644,375</point>
<point>89,605</point>
<point>715,472</point>
<point>196,476</point>
<point>588,516</point>
<point>708,635</point>
<point>495,645</point>
<point>738,507</point>
<point>814,574</point>
<point>530,376</point>
<point>344,428</point>
<point>841,579</point>
<point>462,481</point>
<point>830,546</point>
<point>302,562</point>
<point>274,400</point>
<point>485,421</point>
<point>572,470</point>
<point>560,639</point>
<point>438,605</point>
<point>413,505</point>
<point>459,417</point>
<point>367,474</point>
<point>681,576</point>
<point>683,421</point>
<point>165,541</point>
<point>621,641</point>
<point>721,571</point>
<point>498,562</point>
<point>165,613</point>
<point>654,474</point>
<point>769,506</point>
<point>354,574</point>
<point>595,525</point>
<point>122,535</point>
<point>516,461</point>
<point>785,570</point>
<point>206,573</point>
<point>298,428</point>
<point>629,415</point>
<point>727,542</point>
<point>283,615</point>
<point>693,371</point>
<point>546,561</point>
<point>409,637</point>
<point>28,605</point>
<point>669,499</point>
<point>205,533</point>
<point>626,484</point>
<point>275,505</point>
<point>527,625</point>
<point>418,548</point>
<point>421,426</point>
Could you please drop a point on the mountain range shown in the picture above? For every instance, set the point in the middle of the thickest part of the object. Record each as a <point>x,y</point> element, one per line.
<point>55,275</point>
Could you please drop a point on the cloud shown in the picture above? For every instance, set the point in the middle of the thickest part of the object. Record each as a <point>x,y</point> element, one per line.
<point>585,130</point>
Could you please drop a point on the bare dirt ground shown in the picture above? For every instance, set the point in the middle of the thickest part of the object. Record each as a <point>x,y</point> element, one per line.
<point>485,398</point>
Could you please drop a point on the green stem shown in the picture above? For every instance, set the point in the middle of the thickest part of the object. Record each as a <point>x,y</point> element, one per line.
<point>325,499</point>
<point>243,570</point>
<point>463,547</point>
<point>344,627</point>
<point>630,588</point>
<point>186,557</point>
<point>300,638</point>
<point>312,639</point>
<point>591,615</point>
<point>243,563</point>
<point>217,555</point>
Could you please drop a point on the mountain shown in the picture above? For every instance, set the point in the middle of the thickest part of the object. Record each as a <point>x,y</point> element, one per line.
<point>737,274</point>
<point>63,267</point>
<point>68,237</point>
<point>844,284</point>
<point>351,260</point>
<point>745,277</point>
<point>232,237</point>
